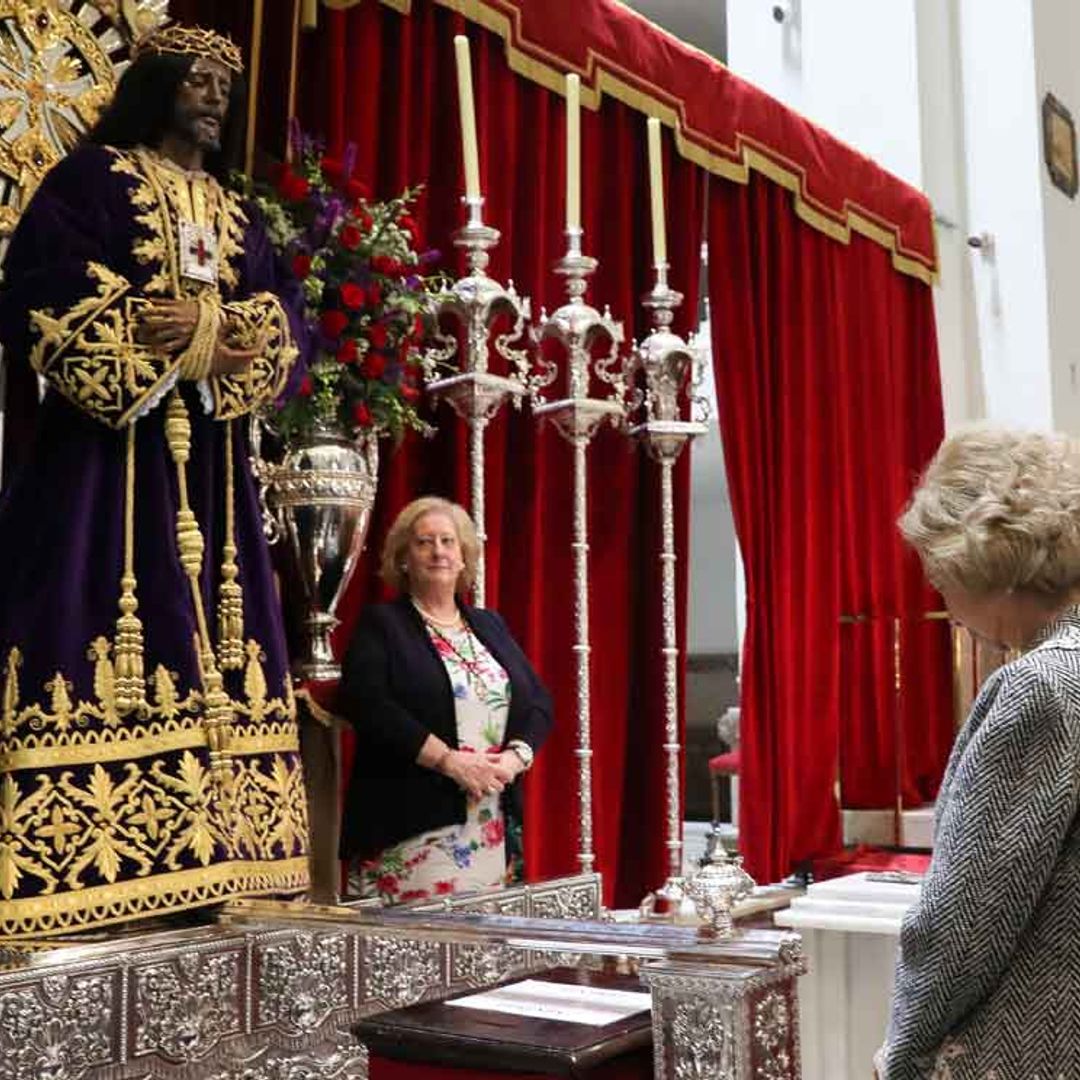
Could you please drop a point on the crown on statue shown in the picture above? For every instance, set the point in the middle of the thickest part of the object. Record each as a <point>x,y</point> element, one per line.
<point>191,41</point>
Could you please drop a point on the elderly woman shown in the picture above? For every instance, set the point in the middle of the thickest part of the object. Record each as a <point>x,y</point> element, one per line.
<point>448,714</point>
<point>988,976</point>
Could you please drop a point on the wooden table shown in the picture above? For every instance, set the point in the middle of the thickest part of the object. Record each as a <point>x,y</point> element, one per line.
<point>434,1040</point>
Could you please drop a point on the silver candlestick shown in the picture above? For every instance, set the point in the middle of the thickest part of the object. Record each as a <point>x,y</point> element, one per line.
<point>577,416</point>
<point>670,367</point>
<point>473,392</point>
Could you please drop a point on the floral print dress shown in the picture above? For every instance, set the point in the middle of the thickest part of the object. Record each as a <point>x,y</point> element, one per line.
<point>483,851</point>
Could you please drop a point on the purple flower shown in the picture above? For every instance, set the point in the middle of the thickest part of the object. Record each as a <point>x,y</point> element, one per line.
<point>348,160</point>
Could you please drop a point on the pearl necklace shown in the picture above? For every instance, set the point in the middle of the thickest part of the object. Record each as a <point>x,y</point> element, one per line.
<point>434,619</point>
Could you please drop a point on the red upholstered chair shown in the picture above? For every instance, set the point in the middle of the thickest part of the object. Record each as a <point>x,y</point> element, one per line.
<point>720,766</point>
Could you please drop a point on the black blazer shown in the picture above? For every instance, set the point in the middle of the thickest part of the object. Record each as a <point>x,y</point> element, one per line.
<point>395,692</point>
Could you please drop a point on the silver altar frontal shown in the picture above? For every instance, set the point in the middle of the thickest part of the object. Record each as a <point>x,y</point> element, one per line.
<point>272,991</point>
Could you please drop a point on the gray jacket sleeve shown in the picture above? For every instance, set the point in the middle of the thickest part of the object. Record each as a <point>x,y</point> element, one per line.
<point>1012,795</point>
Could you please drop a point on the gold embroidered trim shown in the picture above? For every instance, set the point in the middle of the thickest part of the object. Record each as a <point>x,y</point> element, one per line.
<point>90,355</point>
<point>64,732</point>
<point>258,323</point>
<point>63,829</point>
<point>163,195</point>
<point>110,904</point>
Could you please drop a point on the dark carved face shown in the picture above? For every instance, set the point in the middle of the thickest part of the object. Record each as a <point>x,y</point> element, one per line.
<point>202,103</point>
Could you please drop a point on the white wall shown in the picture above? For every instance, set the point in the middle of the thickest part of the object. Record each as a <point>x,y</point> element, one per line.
<point>944,179</point>
<point>1004,196</point>
<point>1057,70</point>
<point>849,65</point>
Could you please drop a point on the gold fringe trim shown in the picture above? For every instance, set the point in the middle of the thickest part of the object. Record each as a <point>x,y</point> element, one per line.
<point>127,668</point>
<point>218,714</point>
<point>602,75</point>
<point>231,597</point>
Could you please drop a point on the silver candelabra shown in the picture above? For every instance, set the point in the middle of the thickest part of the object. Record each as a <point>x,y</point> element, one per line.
<point>578,416</point>
<point>670,369</point>
<point>476,301</point>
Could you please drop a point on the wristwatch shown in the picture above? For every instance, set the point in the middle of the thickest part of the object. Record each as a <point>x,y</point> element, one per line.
<point>523,750</point>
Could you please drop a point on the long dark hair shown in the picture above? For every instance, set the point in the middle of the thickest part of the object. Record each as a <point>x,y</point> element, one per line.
<point>141,111</point>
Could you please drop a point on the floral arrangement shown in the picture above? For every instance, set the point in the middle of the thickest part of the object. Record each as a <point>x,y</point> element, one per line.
<point>366,288</point>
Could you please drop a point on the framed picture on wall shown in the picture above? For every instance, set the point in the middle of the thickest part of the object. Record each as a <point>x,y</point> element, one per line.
<point>1059,145</point>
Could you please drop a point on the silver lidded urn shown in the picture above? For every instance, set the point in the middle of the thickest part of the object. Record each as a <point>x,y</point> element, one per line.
<point>319,500</point>
<point>715,887</point>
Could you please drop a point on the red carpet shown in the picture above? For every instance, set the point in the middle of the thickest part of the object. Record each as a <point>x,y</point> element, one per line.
<point>866,858</point>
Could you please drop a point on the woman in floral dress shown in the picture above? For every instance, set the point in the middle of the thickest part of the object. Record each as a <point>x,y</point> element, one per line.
<point>448,714</point>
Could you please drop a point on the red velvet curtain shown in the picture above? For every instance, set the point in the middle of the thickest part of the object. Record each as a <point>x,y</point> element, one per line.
<point>827,379</point>
<point>387,83</point>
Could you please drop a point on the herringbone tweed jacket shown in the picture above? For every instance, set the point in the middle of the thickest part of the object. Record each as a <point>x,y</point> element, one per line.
<point>988,976</point>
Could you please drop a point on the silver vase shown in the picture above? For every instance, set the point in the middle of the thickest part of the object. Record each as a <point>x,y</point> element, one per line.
<point>321,495</point>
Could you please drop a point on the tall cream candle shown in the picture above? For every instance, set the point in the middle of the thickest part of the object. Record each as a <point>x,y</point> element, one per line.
<point>656,189</point>
<point>310,16</point>
<point>468,117</point>
<point>573,151</point>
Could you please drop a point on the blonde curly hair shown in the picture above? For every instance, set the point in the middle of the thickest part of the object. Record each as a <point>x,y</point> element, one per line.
<point>999,510</point>
<point>392,567</point>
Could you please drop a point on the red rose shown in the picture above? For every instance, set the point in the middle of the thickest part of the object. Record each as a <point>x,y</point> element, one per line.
<point>282,176</point>
<point>443,887</point>
<point>362,415</point>
<point>333,322</point>
<point>374,365</point>
<point>418,331</point>
<point>409,392</point>
<point>413,894</point>
<point>333,169</point>
<point>367,222</point>
<point>382,264</point>
<point>355,190</point>
<point>377,335</point>
<point>294,188</point>
<point>306,387</point>
<point>493,832</point>
<point>352,295</point>
<point>351,237</point>
<point>374,294</point>
<point>347,353</point>
<point>301,266</point>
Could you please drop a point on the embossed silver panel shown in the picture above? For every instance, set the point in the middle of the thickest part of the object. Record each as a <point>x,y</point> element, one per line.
<point>186,1005</point>
<point>302,980</point>
<point>60,1028</point>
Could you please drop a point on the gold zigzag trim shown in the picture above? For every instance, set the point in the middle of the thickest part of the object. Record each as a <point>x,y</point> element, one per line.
<point>87,748</point>
<point>602,75</point>
<point>106,905</point>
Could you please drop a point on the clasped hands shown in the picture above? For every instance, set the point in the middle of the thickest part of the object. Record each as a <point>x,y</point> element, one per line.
<point>168,326</point>
<point>480,774</point>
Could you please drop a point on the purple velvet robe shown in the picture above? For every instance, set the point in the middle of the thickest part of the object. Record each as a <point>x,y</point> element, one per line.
<point>127,793</point>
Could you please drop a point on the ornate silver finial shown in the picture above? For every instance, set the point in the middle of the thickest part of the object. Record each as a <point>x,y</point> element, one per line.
<point>475,302</point>
<point>580,329</point>
<point>670,371</point>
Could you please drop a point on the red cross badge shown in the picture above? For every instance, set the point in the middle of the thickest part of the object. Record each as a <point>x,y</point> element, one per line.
<point>198,253</point>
